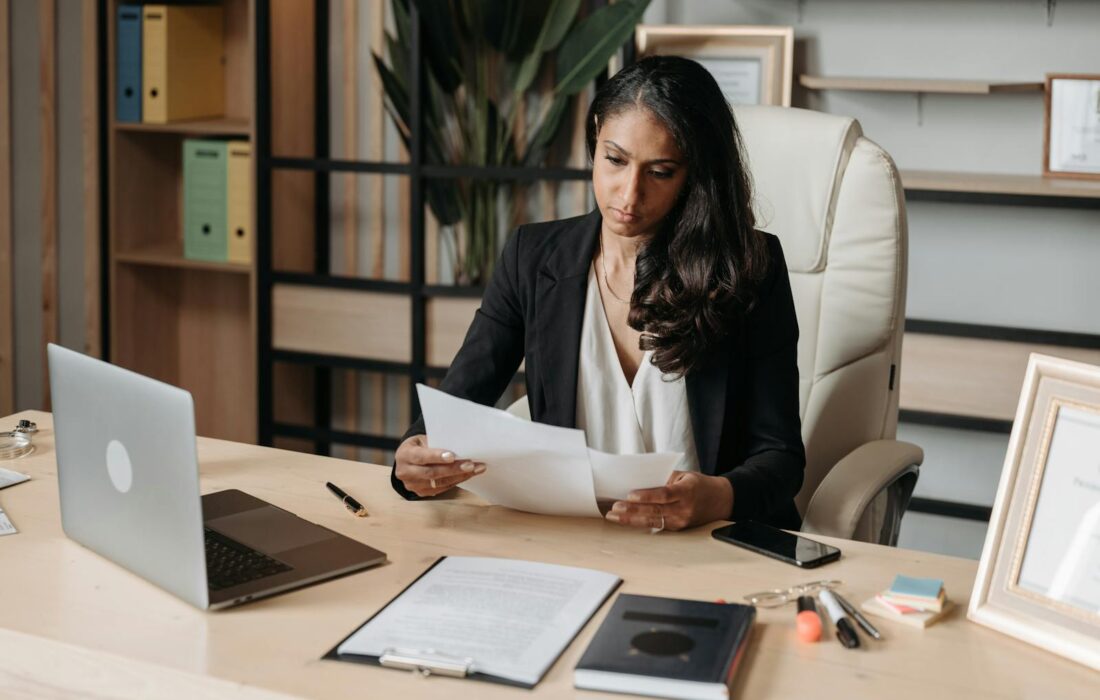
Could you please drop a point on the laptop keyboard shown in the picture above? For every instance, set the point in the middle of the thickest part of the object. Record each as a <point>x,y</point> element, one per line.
<point>230,563</point>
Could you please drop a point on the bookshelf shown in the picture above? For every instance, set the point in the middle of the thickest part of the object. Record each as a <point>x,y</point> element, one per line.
<point>189,323</point>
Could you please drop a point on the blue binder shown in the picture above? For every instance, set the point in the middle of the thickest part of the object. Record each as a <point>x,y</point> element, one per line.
<point>128,64</point>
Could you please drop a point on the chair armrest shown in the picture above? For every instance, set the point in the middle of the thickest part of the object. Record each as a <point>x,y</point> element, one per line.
<point>842,497</point>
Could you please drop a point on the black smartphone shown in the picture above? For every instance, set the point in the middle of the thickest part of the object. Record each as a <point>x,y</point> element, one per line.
<point>775,543</point>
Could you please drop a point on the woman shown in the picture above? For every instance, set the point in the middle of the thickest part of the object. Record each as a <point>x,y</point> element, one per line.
<point>662,321</point>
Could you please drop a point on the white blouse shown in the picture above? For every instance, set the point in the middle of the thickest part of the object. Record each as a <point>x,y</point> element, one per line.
<point>649,416</point>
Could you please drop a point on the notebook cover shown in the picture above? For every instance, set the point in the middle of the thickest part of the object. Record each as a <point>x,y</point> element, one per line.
<point>128,64</point>
<point>204,201</point>
<point>686,640</point>
<point>912,587</point>
<point>239,202</point>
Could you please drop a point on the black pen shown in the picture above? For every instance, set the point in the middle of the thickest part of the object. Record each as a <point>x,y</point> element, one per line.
<point>858,617</point>
<point>350,503</point>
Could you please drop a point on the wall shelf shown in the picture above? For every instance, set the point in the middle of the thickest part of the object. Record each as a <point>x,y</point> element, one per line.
<point>210,127</point>
<point>911,85</point>
<point>993,188</point>
<point>171,256</point>
<point>990,183</point>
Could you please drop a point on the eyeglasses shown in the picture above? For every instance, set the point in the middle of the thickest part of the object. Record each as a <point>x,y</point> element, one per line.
<point>778,596</point>
<point>17,443</point>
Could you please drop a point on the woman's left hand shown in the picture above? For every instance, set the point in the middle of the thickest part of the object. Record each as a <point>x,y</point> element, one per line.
<point>688,499</point>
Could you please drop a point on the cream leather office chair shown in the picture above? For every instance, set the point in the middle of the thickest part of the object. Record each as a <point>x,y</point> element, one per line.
<point>835,200</point>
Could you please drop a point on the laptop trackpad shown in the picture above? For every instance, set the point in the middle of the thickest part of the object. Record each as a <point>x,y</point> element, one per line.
<point>269,529</point>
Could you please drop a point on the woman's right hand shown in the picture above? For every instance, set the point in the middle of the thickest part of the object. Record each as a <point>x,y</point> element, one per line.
<point>428,471</point>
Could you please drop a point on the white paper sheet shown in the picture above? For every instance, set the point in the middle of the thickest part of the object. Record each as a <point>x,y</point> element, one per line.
<point>615,476</point>
<point>529,466</point>
<point>512,618</point>
<point>10,478</point>
<point>535,467</point>
<point>6,528</point>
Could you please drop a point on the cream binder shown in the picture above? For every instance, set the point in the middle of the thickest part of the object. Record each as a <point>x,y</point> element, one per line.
<point>182,63</point>
<point>239,201</point>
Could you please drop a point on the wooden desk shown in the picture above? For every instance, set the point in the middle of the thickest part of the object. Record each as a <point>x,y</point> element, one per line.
<point>71,621</point>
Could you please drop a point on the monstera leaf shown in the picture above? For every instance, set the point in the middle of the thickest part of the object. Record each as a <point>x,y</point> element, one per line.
<point>481,59</point>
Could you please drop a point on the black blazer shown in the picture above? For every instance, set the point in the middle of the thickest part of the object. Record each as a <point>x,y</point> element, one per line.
<point>743,400</point>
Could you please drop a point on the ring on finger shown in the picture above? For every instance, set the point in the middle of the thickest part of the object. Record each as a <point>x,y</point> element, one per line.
<point>654,530</point>
<point>432,481</point>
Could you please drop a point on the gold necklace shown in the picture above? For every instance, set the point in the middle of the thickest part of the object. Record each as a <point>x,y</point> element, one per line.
<point>606,283</point>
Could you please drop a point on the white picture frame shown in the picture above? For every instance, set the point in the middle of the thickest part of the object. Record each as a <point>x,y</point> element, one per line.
<point>1041,561</point>
<point>753,64</point>
<point>1071,143</point>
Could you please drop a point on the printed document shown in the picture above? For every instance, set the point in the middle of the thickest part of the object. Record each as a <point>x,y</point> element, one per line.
<point>510,618</point>
<point>1062,560</point>
<point>535,467</point>
<point>6,528</point>
<point>10,478</point>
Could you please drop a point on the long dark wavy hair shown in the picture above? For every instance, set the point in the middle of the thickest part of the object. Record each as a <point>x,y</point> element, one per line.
<point>697,276</point>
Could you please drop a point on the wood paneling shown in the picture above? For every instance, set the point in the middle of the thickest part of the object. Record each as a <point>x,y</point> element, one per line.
<point>376,142</point>
<point>447,320</point>
<point>47,57</point>
<point>89,120</point>
<point>216,353</point>
<point>350,18</point>
<point>968,376</point>
<point>342,322</point>
<point>146,313</point>
<point>148,184</point>
<point>239,59</point>
<point>293,193</point>
<point>7,286</point>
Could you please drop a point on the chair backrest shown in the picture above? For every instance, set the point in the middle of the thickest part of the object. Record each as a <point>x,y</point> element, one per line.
<point>835,200</point>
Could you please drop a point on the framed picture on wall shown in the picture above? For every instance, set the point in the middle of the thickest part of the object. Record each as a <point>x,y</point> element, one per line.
<point>1039,576</point>
<point>1071,146</point>
<point>752,64</point>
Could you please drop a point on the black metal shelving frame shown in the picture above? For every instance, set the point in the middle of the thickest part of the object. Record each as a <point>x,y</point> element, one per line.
<point>419,172</point>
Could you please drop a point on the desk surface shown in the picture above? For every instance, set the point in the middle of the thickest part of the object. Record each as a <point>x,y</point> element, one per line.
<point>71,620</point>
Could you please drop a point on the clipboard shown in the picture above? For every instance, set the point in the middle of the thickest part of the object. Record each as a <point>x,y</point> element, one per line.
<point>435,662</point>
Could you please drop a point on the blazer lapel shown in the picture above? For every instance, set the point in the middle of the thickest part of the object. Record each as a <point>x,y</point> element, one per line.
<point>706,394</point>
<point>560,288</point>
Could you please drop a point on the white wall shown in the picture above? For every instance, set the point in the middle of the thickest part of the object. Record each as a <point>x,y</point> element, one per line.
<point>996,265</point>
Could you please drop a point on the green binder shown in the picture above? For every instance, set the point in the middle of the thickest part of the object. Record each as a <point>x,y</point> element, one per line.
<point>204,200</point>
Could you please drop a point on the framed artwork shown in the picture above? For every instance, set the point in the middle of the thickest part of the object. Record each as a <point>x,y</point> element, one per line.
<point>1071,143</point>
<point>752,64</point>
<point>1039,576</point>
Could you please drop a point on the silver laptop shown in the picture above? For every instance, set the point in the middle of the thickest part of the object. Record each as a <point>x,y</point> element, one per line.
<point>129,480</point>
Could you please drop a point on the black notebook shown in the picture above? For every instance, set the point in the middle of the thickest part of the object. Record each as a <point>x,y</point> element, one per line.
<point>666,647</point>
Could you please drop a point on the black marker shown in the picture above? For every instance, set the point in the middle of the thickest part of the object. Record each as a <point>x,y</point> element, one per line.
<point>845,632</point>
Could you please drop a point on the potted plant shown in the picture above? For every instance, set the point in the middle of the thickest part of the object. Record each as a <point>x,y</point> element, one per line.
<point>481,59</point>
